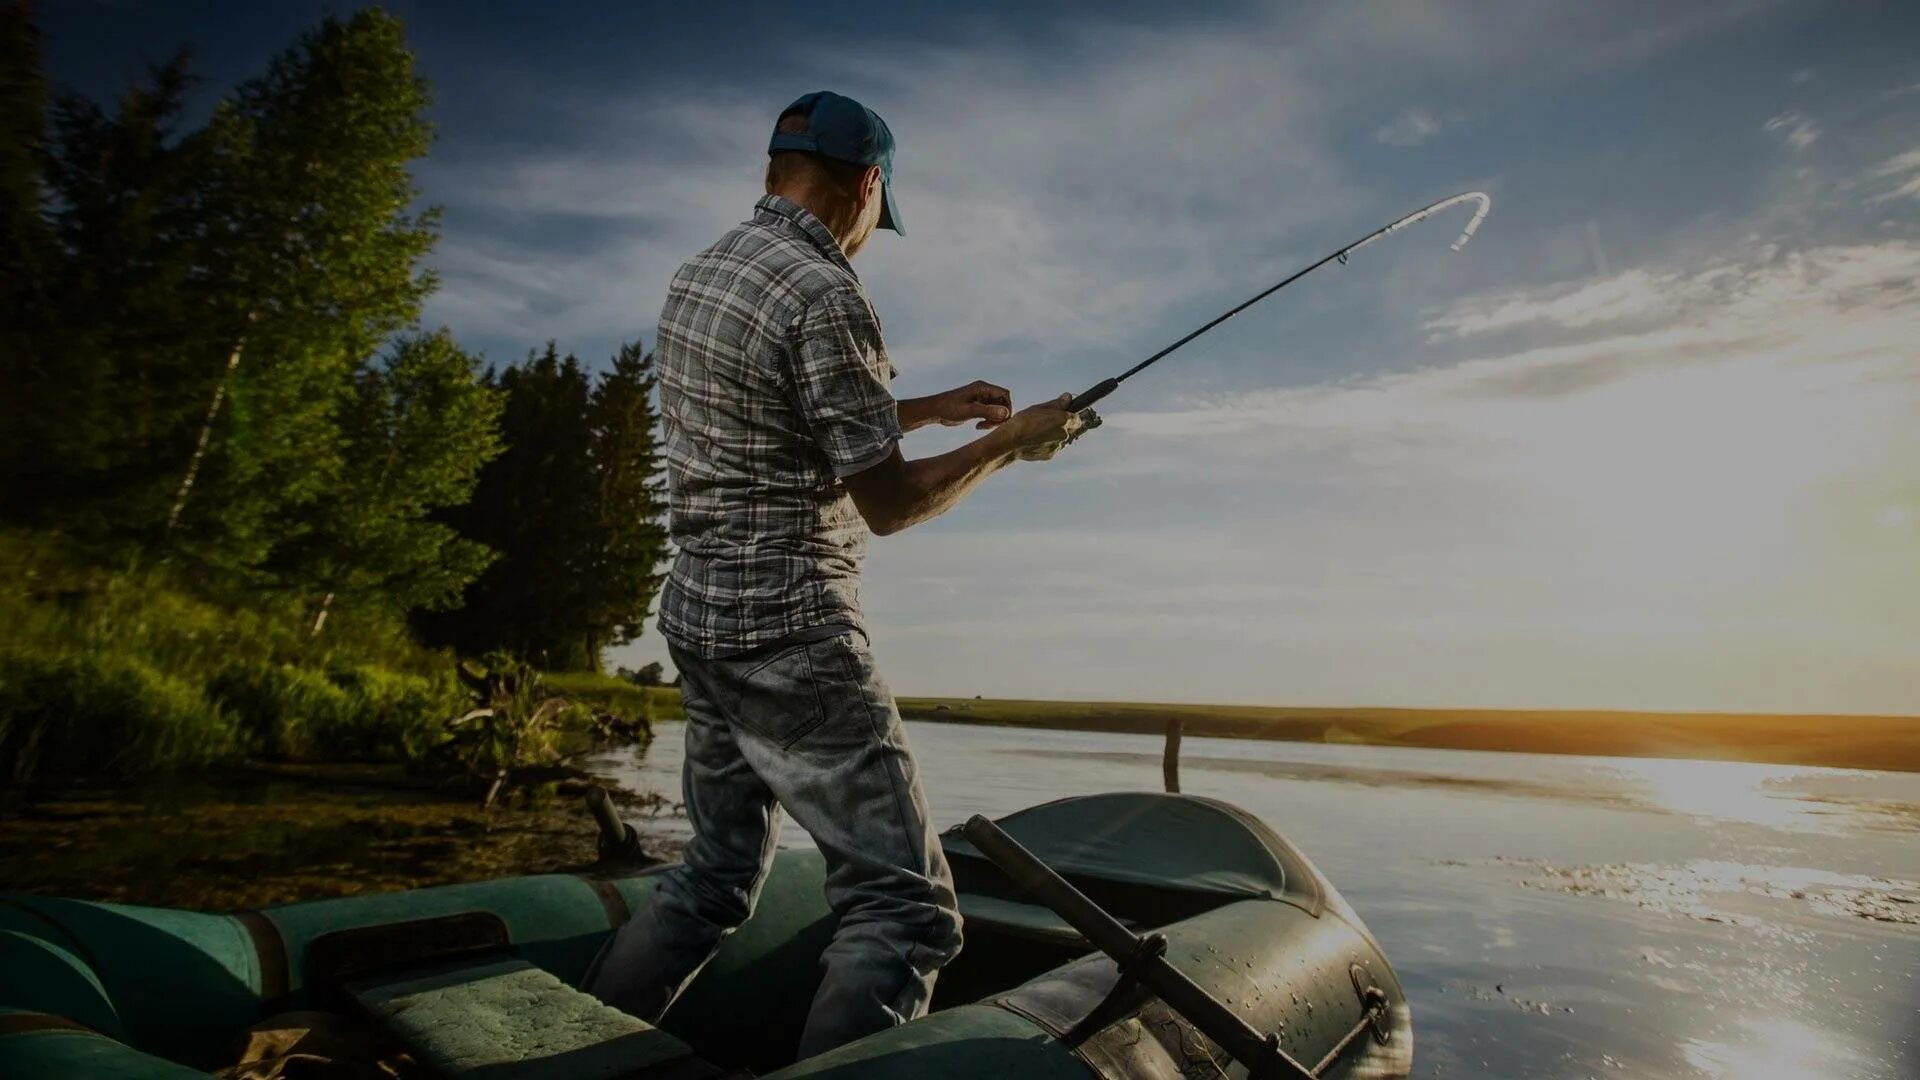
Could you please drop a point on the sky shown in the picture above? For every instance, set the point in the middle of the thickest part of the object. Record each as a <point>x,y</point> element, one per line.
<point>1651,441</point>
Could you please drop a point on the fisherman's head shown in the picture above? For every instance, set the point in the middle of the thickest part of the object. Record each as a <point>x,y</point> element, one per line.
<point>834,156</point>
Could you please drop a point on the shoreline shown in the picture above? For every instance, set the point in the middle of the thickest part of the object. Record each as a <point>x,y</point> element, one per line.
<point>1877,743</point>
<point>258,835</point>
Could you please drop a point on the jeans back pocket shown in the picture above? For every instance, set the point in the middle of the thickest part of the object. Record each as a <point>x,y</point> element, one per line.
<point>778,697</point>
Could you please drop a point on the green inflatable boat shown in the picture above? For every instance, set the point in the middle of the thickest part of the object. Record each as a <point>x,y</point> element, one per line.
<point>1123,935</point>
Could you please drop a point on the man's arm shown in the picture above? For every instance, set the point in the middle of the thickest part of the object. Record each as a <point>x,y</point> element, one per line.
<point>897,494</point>
<point>978,400</point>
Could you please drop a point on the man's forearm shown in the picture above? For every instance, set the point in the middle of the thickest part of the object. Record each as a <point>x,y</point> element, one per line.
<point>928,487</point>
<point>916,412</point>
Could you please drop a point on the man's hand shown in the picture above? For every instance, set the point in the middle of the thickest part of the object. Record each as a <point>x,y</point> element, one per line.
<point>978,400</point>
<point>1039,431</point>
<point>897,493</point>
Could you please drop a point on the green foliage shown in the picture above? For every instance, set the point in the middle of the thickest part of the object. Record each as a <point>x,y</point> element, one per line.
<point>26,243</point>
<point>363,712</point>
<point>626,541</point>
<point>651,673</point>
<point>574,505</point>
<point>118,358</point>
<point>515,723</point>
<point>620,697</point>
<point>315,262</point>
<point>71,711</point>
<point>397,714</point>
<point>129,672</point>
<point>219,286</point>
<point>417,431</point>
<point>284,711</point>
<point>221,496</point>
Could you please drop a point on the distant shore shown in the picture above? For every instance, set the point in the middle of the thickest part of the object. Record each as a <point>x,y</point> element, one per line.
<point>1836,741</point>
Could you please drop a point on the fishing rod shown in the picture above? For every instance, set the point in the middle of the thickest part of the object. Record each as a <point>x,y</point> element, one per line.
<point>1101,389</point>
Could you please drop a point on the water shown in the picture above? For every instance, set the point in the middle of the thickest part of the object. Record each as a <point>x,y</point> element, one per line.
<point>1550,916</point>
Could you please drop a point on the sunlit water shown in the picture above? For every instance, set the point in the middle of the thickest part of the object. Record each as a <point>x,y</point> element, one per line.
<point>1550,916</point>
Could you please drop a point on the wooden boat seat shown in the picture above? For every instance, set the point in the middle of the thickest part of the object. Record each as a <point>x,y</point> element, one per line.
<point>505,1019</point>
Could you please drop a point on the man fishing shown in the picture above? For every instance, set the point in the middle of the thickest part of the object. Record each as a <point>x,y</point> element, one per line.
<point>782,439</point>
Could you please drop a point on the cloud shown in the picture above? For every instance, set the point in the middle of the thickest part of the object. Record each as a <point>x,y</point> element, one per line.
<point>1723,468</point>
<point>1080,195</point>
<point>1416,126</point>
<point>1016,204</point>
<point>1753,289</point>
<point>1904,169</point>
<point>1795,129</point>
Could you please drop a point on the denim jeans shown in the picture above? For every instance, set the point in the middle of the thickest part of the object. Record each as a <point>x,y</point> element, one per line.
<point>810,728</point>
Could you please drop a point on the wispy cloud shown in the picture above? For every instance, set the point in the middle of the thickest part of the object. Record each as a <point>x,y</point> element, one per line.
<point>1727,456</point>
<point>1416,126</point>
<point>1795,129</point>
<point>1904,171</point>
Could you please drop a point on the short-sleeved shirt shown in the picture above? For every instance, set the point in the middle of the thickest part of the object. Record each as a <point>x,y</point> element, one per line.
<point>774,385</point>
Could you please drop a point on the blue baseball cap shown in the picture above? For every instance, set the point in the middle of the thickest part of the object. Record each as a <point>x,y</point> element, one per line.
<point>845,130</point>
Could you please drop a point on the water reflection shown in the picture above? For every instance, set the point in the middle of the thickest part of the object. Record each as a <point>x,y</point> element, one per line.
<point>1777,1048</point>
<point>1551,916</point>
<point>1727,791</point>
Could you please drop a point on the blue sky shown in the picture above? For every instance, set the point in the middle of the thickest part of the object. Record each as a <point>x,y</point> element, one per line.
<point>1648,442</point>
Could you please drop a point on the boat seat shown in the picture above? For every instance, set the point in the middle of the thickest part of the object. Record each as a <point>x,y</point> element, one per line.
<point>980,911</point>
<point>505,1019</point>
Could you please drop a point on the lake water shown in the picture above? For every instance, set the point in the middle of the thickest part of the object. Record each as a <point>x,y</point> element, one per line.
<point>1550,916</point>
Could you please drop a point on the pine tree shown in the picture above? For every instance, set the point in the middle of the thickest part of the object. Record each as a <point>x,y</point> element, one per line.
<point>108,382</point>
<point>26,244</point>
<point>629,540</point>
<point>533,504</point>
<point>574,506</point>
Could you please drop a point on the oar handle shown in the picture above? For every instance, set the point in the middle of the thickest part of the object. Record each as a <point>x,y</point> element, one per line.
<point>1141,958</point>
<point>617,838</point>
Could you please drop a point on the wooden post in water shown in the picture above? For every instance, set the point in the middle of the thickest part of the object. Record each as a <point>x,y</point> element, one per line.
<point>1170,763</point>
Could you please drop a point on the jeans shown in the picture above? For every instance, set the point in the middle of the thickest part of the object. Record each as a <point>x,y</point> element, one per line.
<point>811,728</point>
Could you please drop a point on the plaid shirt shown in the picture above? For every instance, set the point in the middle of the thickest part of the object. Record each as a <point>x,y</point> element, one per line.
<point>773,385</point>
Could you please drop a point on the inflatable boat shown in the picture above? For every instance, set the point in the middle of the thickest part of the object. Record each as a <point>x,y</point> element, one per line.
<point>1123,935</point>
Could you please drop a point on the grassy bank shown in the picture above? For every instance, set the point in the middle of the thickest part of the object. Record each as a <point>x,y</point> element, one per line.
<point>131,672</point>
<point>135,673</point>
<point>1854,742</point>
<point>237,838</point>
<point>610,694</point>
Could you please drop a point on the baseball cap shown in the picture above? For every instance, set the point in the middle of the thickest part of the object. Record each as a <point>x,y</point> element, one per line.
<point>845,130</point>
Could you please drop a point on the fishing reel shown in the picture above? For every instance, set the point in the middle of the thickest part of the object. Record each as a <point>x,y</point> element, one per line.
<point>1088,421</point>
<point>1082,406</point>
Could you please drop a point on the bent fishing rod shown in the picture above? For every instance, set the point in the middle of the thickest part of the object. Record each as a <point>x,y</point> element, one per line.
<point>1101,389</point>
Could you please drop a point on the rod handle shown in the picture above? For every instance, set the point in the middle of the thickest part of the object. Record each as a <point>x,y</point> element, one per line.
<point>1094,393</point>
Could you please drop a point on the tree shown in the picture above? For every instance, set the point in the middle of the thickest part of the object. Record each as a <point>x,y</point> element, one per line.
<point>109,377</point>
<point>628,541</point>
<point>651,673</point>
<point>532,505</point>
<point>26,244</point>
<point>416,432</point>
<point>218,289</point>
<point>314,254</point>
<point>573,504</point>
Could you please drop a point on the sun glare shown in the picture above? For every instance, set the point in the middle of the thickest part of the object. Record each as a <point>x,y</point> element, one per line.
<point>1723,791</point>
<point>1774,1048</point>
